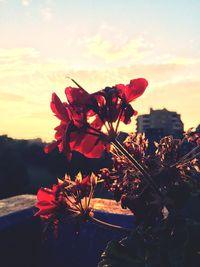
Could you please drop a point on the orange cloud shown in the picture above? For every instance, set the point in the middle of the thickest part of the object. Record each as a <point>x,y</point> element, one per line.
<point>11,97</point>
<point>27,82</point>
<point>116,50</point>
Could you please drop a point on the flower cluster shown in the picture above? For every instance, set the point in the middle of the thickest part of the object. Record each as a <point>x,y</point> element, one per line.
<point>174,168</point>
<point>156,186</point>
<point>89,122</point>
<point>67,198</point>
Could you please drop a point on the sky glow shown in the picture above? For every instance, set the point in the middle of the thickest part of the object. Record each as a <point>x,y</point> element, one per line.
<point>98,43</point>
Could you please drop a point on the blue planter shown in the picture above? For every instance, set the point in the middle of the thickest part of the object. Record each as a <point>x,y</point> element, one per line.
<point>85,248</point>
<point>21,242</point>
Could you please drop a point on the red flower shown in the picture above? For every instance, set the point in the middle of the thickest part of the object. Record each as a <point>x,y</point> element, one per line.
<point>77,96</point>
<point>127,114</point>
<point>133,90</point>
<point>113,105</point>
<point>83,117</point>
<point>49,201</point>
<point>59,109</point>
<point>89,145</point>
<point>82,186</point>
<point>107,104</point>
<point>72,133</point>
<point>62,112</point>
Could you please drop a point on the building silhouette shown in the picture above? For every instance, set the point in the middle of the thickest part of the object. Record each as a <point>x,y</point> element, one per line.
<point>160,123</point>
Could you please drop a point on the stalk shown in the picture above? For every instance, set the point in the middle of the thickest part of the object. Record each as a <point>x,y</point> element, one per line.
<point>146,176</point>
<point>109,226</point>
<point>186,156</point>
<point>75,83</point>
<point>120,115</point>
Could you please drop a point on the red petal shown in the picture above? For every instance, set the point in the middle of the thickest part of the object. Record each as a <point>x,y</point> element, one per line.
<point>87,144</point>
<point>60,130</point>
<point>108,147</point>
<point>86,181</point>
<point>121,88</point>
<point>77,96</point>
<point>45,194</point>
<point>46,202</point>
<point>96,151</point>
<point>59,109</point>
<point>135,89</point>
<point>46,211</point>
<point>97,123</point>
<point>51,147</point>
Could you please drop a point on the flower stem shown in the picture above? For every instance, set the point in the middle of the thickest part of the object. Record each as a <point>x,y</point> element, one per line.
<point>109,226</point>
<point>186,156</point>
<point>94,134</point>
<point>136,164</point>
<point>120,115</point>
<point>75,83</point>
<point>96,130</point>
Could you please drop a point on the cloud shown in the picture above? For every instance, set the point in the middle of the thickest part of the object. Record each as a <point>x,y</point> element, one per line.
<point>33,78</point>
<point>47,13</point>
<point>15,63</point>
<point>26,2</point>
<point>11,97</point>
<point>18,62</point>
<point>25,67</point>
<point>16,54</point>
<point>116,50</point>
<point>184,60</point>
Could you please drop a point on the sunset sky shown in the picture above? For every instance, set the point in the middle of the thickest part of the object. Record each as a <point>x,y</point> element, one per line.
<point>98,43</point>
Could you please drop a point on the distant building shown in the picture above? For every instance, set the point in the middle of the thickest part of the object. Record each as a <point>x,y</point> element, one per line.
<point>160,123</point>
<point>198,129</point>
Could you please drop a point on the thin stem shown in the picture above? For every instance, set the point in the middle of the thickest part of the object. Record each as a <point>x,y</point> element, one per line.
<point>96,130</point>
<point>78,203</point>
<point>112,128</point>
<point>86,203</point>
<point>191,158</point>
<point>107,127</point>
<point>99,132</point>
<point>109,226</point>
<point>74,211</point>
<point>181,164</point>
<point>133,160</point>
<point>104,123</point>
<point>92,133</point>
<point>120,115</point>
<point>74,204</point>
<point>91,195</point>
<point>185,156</point>
<point>81,205</point>
<point>135,163</point>
<point>75,82</point>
